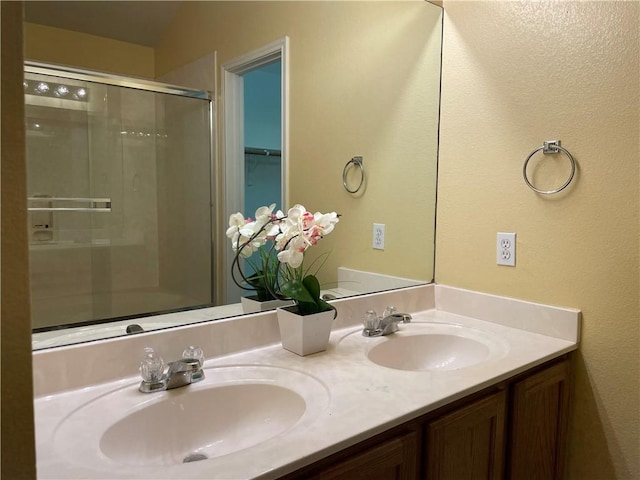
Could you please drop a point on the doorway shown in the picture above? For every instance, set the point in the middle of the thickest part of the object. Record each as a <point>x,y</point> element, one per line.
<point>255,152</point>
<point>263,137</point>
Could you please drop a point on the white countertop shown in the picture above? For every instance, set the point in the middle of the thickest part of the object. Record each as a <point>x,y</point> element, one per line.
<point>362,399</point>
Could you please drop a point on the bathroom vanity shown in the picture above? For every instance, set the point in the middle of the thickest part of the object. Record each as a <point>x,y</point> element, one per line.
<point>517,426</point>
<point>476,386</point>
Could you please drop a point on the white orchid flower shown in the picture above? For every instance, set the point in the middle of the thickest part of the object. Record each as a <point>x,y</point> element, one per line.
<point>263,214</point>
<point>295,215</point>
<point>246,248</point>
<point>292,233</point>
<point>293,255</point>
<point>246,235</point>
<point>273,230</point>
<point>326,221</point>
<point>236,221</point>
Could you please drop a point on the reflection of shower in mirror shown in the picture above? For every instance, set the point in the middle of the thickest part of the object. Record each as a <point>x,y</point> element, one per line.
<point>125,173</point>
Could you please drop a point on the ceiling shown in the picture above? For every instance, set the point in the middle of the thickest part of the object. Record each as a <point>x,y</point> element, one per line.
<point>139,22</point>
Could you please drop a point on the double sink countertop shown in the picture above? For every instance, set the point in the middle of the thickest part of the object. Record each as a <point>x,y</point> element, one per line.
<point>341,396</point>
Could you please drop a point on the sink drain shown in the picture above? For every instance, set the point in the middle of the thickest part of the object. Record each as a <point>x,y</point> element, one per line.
<point>194,457</point>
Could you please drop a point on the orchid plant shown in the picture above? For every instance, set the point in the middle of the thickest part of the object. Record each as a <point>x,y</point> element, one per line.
<point>290,236</point>
<point>249,236</point>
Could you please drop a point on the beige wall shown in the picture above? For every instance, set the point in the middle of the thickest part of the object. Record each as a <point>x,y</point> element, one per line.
<point>17,441</point>
<point>80,50</point>
<point>364,81</point>
<point>580,249</point>
<point>515,74</point>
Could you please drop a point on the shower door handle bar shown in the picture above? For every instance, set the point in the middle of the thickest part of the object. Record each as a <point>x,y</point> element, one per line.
<point>90,204</point>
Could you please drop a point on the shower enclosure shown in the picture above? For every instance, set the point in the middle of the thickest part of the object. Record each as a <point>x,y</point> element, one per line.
<point>120,197</point>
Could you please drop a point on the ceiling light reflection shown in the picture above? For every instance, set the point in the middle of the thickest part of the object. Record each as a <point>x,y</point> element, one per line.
<point>62,91</point>
<point>42,87</point>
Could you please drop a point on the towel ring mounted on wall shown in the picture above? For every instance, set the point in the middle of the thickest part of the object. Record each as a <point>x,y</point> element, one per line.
<point>550,147</point>
<point>358,162</point>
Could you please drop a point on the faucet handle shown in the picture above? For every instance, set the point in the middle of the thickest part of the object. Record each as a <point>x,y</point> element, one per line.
<point>390,310</point>
<point>371,320</point>
<point>152,367</point>
<point>193,352</point>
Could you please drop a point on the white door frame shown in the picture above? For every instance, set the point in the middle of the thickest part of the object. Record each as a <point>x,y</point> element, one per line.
<point>233,135</point>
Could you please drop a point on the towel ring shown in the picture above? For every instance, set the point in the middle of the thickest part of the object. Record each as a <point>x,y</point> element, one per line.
<point>357,161</point>
<point>550,147</point>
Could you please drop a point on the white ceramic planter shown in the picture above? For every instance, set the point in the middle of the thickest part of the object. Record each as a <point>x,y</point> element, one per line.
<point>251,305</point>
<point>304,334</point>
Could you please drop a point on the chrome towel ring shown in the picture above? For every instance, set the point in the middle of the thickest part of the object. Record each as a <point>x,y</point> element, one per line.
<point>550,147</point>
<point>358,162</point>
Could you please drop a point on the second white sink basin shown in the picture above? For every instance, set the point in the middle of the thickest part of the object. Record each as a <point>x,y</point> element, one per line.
<point>435,347</point>
<point>429,352</point>
<point>233,409</point>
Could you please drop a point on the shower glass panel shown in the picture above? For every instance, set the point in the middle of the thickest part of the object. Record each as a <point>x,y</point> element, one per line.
<point>119,185</point>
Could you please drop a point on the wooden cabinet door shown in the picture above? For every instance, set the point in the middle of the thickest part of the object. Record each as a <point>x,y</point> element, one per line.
<point>394,459</point>
<point>539,424</point>
<point>468,443</point>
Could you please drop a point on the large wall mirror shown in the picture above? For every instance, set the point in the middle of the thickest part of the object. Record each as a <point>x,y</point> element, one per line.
<point>363,80</point>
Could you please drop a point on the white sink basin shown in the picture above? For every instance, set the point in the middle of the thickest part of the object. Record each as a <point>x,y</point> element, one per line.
<point>434,347</point>
<point>429,352</point>
<point>202,424</point>
<point>230,411</point>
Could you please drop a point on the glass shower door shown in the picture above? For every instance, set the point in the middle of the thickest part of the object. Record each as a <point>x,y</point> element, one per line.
<point>119,201</point>
<point>59,205</point>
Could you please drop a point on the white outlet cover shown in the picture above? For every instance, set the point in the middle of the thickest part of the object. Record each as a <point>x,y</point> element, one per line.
<point>506,249</point>
<point>378,236</point>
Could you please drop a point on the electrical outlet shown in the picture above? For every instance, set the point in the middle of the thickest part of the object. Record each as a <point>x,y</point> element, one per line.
<point>378,236</point>
<point>506,249</point>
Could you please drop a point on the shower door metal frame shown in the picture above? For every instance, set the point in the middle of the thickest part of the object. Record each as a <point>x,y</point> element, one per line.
<point>115,80</point>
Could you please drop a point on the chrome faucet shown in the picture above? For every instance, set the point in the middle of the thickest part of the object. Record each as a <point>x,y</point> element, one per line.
<point>375,326</point>
<point>389,324</point>
<point>156,376</point>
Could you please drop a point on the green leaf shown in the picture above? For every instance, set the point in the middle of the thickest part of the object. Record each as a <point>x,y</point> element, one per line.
<point>297,291</point>
<point>324,306</point>
<point>306,293</point>
<point>312,285</point>
<point>307,308</point>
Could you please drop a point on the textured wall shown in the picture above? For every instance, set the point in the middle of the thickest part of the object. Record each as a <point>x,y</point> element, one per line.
<point>515,74</point>
<point>64,47</point>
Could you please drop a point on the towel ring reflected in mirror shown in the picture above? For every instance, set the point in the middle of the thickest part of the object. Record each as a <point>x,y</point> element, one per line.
<point>550,147</point>
<point>358,162</point>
